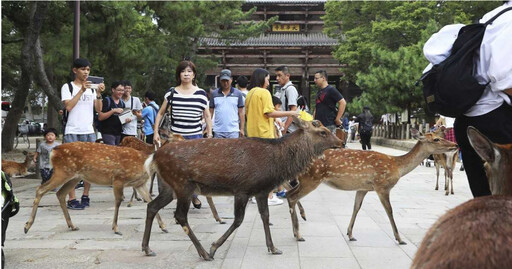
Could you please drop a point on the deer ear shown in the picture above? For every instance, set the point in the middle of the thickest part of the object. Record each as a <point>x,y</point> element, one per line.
<point>317,123</point>
<point>300,123</point>
<point>482,145</point>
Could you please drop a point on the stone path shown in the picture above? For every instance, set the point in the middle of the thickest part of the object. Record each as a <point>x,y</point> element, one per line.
<point>49,243</point>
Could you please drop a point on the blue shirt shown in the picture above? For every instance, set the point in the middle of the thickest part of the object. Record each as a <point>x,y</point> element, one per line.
<point>226,110</point>
<point>149,116</point>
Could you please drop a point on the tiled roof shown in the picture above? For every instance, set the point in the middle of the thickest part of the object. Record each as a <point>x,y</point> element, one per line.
<point>275,40</point>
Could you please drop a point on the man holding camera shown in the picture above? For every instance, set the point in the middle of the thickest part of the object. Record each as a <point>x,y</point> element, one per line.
<point>80,100</point>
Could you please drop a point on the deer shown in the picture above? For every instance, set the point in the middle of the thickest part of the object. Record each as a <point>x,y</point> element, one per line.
<point>242,167</point>
<point>12,168</point>
<point>148,149</point>
<point>364,171</point>
<point>477,233</point>
<point>99,164</point>
<point>446,160</point>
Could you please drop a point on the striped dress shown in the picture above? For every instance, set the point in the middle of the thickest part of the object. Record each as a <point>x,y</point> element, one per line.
<point>187,112</point>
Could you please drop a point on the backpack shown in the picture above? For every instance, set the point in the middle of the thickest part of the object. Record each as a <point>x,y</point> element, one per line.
<point>301,100</point>
<point>450,88</point>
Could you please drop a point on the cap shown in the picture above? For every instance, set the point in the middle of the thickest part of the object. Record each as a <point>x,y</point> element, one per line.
<point>225,74</point>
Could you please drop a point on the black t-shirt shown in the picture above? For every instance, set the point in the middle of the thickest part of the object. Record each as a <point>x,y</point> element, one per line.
<point>112,125</point>
<point>326,100</point>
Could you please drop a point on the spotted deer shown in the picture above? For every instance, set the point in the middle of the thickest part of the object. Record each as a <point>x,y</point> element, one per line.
<point>477,233</point>
<point>363,171</point>
<point>243,168</point>
<point>446,160</point>
<point>135,143</point>
<point>99,164</point>
<point>12,168</point>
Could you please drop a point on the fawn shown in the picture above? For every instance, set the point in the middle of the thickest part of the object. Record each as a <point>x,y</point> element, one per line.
<point>98,164</point>
<point>364,171</point>
<point>12,168</point>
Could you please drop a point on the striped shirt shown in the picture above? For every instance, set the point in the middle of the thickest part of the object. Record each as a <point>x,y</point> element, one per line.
<point>187,112</point>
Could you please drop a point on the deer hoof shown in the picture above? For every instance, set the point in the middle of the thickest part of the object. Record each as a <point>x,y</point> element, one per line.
<point>150,253</point>
<point>165,230</point>
<point>303,217</point>
<point>25,230</point>
<point>352,239</point>
<point>402,243</point>
<point>119,233</point>
<point>74,228</point>
<point>301,239</point>
<point>221,221</point>
<point>129,205</point>
<point>276,251</point>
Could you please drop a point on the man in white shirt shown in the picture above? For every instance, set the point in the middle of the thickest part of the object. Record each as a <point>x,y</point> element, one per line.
<point>492,113</point>
<point>132,102</point>
<point>288,95</point>
<point>80,102</point>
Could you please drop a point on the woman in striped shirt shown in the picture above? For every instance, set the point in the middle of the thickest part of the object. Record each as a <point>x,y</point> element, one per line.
<point>189,106</point>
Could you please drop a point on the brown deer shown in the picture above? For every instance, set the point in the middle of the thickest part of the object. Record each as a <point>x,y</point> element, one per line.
<point>12,168</point>
<point>135,143</point>
<point>364,171</point>
<point>477,233</point>
<point>498,161</point>
<point>96,163</point>
<point>243,167</point>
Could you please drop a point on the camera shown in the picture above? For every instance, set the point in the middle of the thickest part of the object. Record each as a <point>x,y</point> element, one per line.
<point>95,81</point>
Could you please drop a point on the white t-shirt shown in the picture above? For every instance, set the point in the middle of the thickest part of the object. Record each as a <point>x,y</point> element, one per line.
<point>130,128</point>
<point>492,65</point>
<point>80,118</point>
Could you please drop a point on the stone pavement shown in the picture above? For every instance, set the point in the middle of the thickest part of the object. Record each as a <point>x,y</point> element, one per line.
<point>50,244</point>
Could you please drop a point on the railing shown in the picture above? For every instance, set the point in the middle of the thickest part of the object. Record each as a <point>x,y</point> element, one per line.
<point>398,131</point>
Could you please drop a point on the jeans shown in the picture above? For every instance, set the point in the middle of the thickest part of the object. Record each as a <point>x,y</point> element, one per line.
<point>193,136</point>
<point>111,139</point>
<point>68,138</point>
<point>227,134</point>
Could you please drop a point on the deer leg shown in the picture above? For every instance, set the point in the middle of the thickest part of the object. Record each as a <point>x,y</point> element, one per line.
<point>118,197</point>
<point>240,205</point>
<point>384,199</point>
<point>288,187</point>
<point>357,205</point>
<point>165,196</point>
<point>181,215</point>
<point>451,179</point>
<point>134,194</point>
<point>263,209</point>
<point>295,221</point>
<point>446,181</point>
<point>214,210</point>
<point>144,193</point>
<point>151,185</point>
<point>40,192</point>
<point>437,174</point>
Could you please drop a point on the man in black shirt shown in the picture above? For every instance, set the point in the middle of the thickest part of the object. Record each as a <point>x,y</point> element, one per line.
<point>326,100</point>
<point>112,106</point>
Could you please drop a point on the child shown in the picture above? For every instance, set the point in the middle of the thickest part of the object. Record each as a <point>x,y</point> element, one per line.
<point>44,150</point>
<point>279,128</point>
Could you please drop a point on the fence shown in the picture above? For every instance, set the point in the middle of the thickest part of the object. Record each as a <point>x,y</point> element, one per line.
<point>398,131</point>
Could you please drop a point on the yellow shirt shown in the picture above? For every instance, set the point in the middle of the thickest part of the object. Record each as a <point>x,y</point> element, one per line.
<point>257,103</point>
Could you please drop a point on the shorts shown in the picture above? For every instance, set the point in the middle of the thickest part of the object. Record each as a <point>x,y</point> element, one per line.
<point>46,174</point>
<point>68,138</point>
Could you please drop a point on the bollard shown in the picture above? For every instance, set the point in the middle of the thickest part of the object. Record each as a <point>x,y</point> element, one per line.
<point>38,173</point>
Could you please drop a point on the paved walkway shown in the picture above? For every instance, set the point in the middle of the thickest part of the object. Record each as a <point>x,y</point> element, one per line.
<point>49,243</point>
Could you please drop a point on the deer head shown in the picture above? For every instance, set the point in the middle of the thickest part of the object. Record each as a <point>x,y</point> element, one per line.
<point>321,137</point>
<point>498,161</point>
<point>432,143</point>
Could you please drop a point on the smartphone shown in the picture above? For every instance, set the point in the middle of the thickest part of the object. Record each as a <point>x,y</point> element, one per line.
<point>95,81</point>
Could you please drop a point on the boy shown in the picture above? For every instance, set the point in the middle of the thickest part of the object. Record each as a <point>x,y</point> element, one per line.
<point>44,150</point>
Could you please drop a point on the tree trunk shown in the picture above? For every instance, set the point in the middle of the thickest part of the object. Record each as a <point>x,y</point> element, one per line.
<point>42,79</point>
<point>52,117</point>
<point>37,13</point>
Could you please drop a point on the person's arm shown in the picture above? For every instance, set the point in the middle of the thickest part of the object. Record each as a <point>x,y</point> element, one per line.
<point>279,114</point>
<point>508,91</point>
<point>159,115</point>
<point>71,103</point>
<point>35,157</point>
<point>341,109</point>
<point>104,114</point>
<point>98,103</point>
<point>208,120</point>
<point>241,116</point>
<point>212,111</point>
<point>289,120</point>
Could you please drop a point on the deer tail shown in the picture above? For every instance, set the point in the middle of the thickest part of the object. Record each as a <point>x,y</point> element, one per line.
<point>149,165</point>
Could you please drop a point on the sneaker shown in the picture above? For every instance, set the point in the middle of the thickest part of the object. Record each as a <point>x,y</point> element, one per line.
<point>274,201</point>
<point>253,200</point>
<point>281,194</point>
<point>85,201</point>
<point>79,185</point>
<point>75,205</point>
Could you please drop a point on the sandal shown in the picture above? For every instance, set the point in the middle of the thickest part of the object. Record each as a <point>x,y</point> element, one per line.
<point>196,205</point>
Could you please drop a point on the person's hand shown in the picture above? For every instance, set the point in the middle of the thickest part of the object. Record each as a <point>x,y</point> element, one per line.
<point>156,138</point>
<point>337,122</point>
<point>242,133</point>
<point>34,160</point>
<point>85,85</point>
<point>128,120</point>
<point>117,110</point>
<point>137,113</point>
<point>101,87</point>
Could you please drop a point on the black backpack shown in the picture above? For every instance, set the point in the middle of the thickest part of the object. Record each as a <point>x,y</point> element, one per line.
<point>450,88</point>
